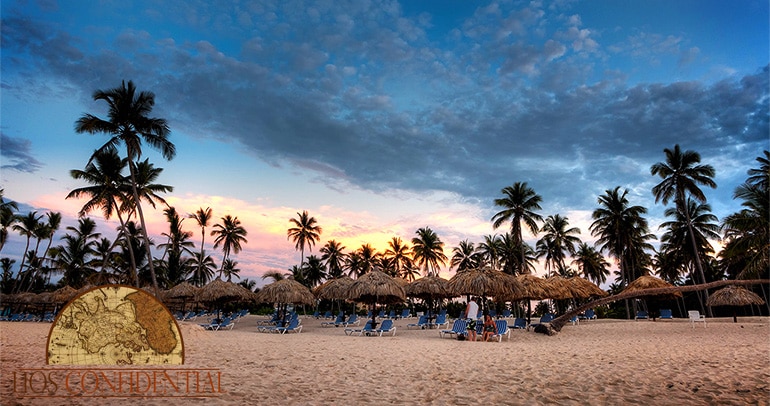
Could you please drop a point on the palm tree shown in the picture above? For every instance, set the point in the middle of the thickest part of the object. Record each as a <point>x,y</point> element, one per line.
<point>619,227</point>
<point>428,251</point>
<point>398,256</point>
<point>591,263</point>
<point>488,251</point>
<point>519,204</point>
<point>7,281</point>
<point>108,191</point>
<point>304,233</point>
<point>681,174</point>
<point>314,271</point>
<point>202,217</point>
<point>747,232</point>
<point>178,244</point>
<point>464,256</point>
<point>230,269</point>
<point>274,275</point>
<point>335,258</point>
<point>203,268</point>
<point>73,258</point>
<point>7,218</point>
<point>369,258</point>
<point>25,226</point>
<point>557,240</point>
<point>355,264</point>
<point>129,125</point>
<point>230,234</point>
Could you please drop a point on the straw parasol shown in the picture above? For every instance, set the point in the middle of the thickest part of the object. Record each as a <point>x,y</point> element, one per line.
<point>285,291</point>
<point>184,291</point>
<point>429,288</point>
<point>734,296</point>
<point>534,289</point>
<point>559,288</point>
<point>586,288</point>
<point>334,289</point>
<point>376,287</point>
<point>649,282</point>
<point>218,292</point>
<point>64,294</point>
<point>486,282</point>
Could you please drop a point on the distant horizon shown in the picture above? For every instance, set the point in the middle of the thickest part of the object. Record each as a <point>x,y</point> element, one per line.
<point>380,118</point>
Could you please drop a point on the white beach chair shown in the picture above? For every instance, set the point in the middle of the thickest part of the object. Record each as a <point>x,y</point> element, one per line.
<point>696,316</point>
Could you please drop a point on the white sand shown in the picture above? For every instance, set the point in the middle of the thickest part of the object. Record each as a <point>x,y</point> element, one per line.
<point>599,362</point>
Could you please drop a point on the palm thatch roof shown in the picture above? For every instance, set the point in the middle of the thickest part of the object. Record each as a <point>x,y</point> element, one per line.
<point>376,287</point>
<point>586,288</point>
<point>64,294</point>
<point>559,288</point>
<point>429,287</point>
<point>645,282</point>
<point>219,290</point>
<point>486,282</point>
<point>336,288</point>
<point>285,291</point>
<point>534,286</point>
<point>734,296</point>
<point>182,290</point>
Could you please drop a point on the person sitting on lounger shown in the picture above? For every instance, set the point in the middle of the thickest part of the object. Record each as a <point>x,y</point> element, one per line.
<point>490,328</point>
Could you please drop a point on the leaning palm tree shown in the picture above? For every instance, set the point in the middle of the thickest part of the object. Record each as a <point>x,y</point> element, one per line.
<point>304,233</point>
<point>519,204</point>
<point>681,174</point>
<point>129,125</point>
<point>428,251</point>
<point>230,234</point>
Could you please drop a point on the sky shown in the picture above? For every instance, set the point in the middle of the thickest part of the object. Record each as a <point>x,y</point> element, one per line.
<point>382,117</point>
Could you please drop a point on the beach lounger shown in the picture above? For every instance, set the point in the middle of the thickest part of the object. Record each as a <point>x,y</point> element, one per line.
<point>367,329</point>
<point>502,331</point>
<point>641,315</point>
<point>507,314</point>
<point>666,314</point>
<point>422,322</point>
<point>353,320</point>
<point>590,314</point>
<point>441,321</point>
<point>458,327</point>
<point>294,326</point>
<point>405,314</point>
<point>386,327</point>
<point>520,323</point>
<point>695,316</point>
<point>336,323</point>
<point>574,320</point>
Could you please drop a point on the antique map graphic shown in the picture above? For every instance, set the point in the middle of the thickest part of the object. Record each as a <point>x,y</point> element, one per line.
<point>115,325</point>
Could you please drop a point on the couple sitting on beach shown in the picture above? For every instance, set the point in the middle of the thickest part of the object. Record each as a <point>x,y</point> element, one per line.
<point>490,328</point>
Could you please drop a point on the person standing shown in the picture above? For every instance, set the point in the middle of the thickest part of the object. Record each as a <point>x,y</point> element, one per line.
<point>471,311</point>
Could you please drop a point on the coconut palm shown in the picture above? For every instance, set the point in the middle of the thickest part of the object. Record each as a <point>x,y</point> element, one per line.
<point>313,271</point>
<point>591,263</point>
<point>620,228</point>
<point>335,258</point>
<point>108,191</point>
<point>274,275</point>
<point>677,235</point>
<point>681,175</point>
<point>7,281</point>
<point>7,217</point>
<point>557,240</point>
<point>519,203</point>
<point>428,251</point>
<point>488,251</point>
<point>176,246</point>
<point>305,232</point>
<point>26,227</point>
<point>202,268</point>
<point>398,256</point>
<point>464,256</point>
<point>229,234</point>
<point>73,258</point>
<point>746,253</point>
<point>202,217</point>
<point>129,125</point>
<point>355,264</point>
<point>230,269</point>
<point>369,258</point>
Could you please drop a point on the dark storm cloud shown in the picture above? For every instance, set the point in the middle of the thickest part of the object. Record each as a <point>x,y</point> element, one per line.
<point>17,154</point>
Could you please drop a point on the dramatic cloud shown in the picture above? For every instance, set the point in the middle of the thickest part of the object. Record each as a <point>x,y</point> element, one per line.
<point>17,154</point>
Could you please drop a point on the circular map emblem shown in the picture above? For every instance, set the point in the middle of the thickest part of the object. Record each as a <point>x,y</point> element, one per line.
<point>115,325</point>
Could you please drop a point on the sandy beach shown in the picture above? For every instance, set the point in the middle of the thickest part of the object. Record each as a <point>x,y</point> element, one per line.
<point>599,362</point>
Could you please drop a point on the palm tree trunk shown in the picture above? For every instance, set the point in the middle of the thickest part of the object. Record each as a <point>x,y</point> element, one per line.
<point>144,227</point>
<point>131,258</point>
<point>17,286</point>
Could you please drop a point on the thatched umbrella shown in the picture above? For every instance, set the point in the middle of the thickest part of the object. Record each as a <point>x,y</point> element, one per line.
<point>646,282</point>
<point>64,294</point>
<point>184,291</point>
<point>218,292</point>
<point>334,289</point>
<point>429,288</point>
<point>734,296</point>
<point>586,288</point>
<point>486,282</point>
<point>534,289</point>
<point>376,287</point>
<point>284,292</point>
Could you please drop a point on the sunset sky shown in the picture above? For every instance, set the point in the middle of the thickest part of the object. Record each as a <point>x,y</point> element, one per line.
<point>381,117</point>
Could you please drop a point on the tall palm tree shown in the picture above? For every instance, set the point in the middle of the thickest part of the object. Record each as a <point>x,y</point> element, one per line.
<point>369,258</point>
<point>202,217</point>
<point>519,203</point>
<point>229,234</point>
<point>7,281</point>
<point>7,217</point>
<point>177,245</point>
<point>109,191</point>
<point>591,263</point>
<point>355,264</point>
<point>230,269</point>
<point>681,175</point>
<point>129,125</point>
<point>747,232</point>
<point>488,251</point>
<point>428,251</point>
<point>305,232</point>
<point>619,226</point>
<point>202,267</point>
<point>314,271</point>
<point>335,258</point>
<point>398,255</point>
<point>464,256</point>
<point>557,240</point>
<point>26,227</point>
<point>73,258</point>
